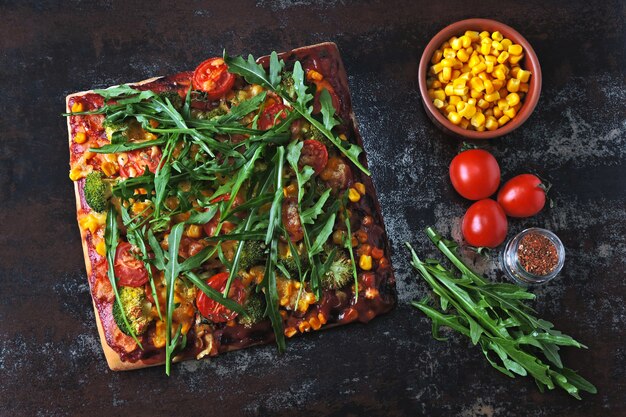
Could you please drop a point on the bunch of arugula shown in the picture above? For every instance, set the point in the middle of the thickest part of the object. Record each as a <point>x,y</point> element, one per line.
<point>194,160</point>
<point>494,315</point>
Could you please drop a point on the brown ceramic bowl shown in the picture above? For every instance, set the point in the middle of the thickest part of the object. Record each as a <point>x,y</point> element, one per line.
<point>529,62</point>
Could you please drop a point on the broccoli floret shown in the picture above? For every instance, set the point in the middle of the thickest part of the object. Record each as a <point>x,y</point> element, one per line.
<point>253,253</point>
<point>289,262</point>
<point>174,98</point>
<point>137,310</point>
<point>210,114</point>
<point>339,273</point>
<point>117,132</point>
<point>317,134</point>
<point>288,84</point>
<point>97,191</point>
<point>255,307</point>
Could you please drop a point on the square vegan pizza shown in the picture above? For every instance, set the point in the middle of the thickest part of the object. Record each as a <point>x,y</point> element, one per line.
<point>226,207</point>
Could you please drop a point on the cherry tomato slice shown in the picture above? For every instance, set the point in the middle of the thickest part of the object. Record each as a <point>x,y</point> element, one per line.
<point>291,219</point>
<point>314,154</point>
<point>212,77</point>
<point>485,224</point>
<point>522,196</point>
<point>138,160</point>
<point>475,174</point>
<point>129,270</point>
<point>213,310</point>
<point>271,115</point>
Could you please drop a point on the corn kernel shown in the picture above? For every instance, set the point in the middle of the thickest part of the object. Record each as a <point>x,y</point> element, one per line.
<point>514,59</point>
<point>497,112</point>
<point>353,195</point>
<point>503,57</point>
<point>472,35</point>
<point>365,262</point>
<point>471,101</point>
<point>449,53</point>
<point>449,108</point>
<point>506,42</point>
<point>492,97</point>
<point>194,231</point>
<point>449,90</point>
<point>109,168</point>
<point>454,100</point>
<point>464,123</point>
<point>436,56</point>
<point>484,34</point>
<point>101,248</point>
<point>512,99</point>
<point>515,49</point>
<point>497,36</point>
<point>80,137</point>
<point>448,62</point>
<point>473,61</point>
<point>446,74</point>
<point>314,75</point>
<point>497,84</point>
<point>479,68</point>
<point>523,75</point>
<point>499,74</point>
<point>503,120</point>
<point>478,120</point>
<point>360,187</point>
<point>467,110</point>
<point>503,104</point>
<point>496,48</point>
<point>466,76</point>
<point>476,94</point>
<point>431,93</point>
<point>77,107</point>
<point>437,68</point>
<point>456,43</point>
<point>510,112</point>
<point>454,117</point>
<point>436,84</point>
<point>304,326</point>
<point>315,323</point>
<point>523,88</point>
<point>491,123</point>
<point>489,88</point>
<point>438,103</point>
<point>76,173</point>
<point>485,46</point>
<point>461,91</point>
<point>440,94</point>
<point>513,85</point>
<point>459,82</point>
<point>290,331</point>
<point>477,84</point>
<point>483,104</point>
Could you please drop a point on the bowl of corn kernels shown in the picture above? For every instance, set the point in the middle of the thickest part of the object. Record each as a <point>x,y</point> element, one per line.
<point>479,79</point>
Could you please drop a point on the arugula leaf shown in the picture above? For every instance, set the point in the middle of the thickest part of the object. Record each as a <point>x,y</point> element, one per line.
<point>252,72</point>
<point>276,67</point>
<point>302,96</point>
<point>328,111</point>
<point>127,146</point>
<point>495,317</point>
<point>202,217</point>
<point>172,269</point>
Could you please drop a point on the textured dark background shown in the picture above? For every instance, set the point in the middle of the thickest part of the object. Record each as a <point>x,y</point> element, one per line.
<point>50,357</point>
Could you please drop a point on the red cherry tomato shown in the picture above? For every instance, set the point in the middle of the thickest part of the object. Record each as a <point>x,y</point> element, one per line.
<point>485,224</point>
<point>138,160</point>
<point>213,310</point>
<point>211,226</point>
<point>475,174</point>
<point>129,270</point>
<point>291,219</point>
<point>314,154</point>
<point>522,196</point>
<point>212,77</point>
<point>271,115</point>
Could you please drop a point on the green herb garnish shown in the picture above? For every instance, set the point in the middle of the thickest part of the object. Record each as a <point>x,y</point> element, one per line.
<point>494,315</point>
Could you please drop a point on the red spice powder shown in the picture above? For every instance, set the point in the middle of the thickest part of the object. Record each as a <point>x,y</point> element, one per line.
<point>537,254</point>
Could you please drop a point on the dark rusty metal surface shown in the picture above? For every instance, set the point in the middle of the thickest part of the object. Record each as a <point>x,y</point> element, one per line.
<point>50,358</point>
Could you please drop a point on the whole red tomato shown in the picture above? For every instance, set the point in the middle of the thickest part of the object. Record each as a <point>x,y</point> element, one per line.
<point>475,174</point>
<point>485,224</point>
<point>522,196</point>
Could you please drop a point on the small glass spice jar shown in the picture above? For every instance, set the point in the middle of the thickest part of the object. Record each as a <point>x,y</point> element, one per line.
<point>533,256</point>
